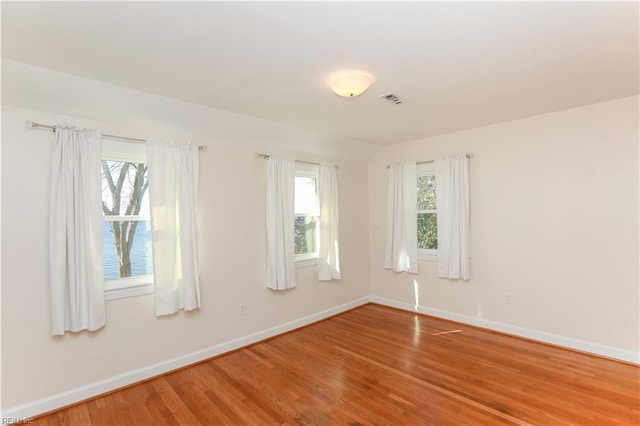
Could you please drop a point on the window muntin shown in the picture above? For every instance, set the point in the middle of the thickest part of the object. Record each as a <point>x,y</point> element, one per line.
<point>427,213</point>
<point>127,253</point>
<point>306,212</point>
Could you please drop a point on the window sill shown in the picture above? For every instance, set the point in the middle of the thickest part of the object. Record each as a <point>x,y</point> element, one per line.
<point>306,263</point>
<point>128,287</point>
<point>429,257</point>
<point>123,293</point>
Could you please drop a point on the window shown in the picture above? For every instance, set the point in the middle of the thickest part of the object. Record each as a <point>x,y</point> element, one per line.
<point>307,212</point>
<point>427,214</point>
<point>126,231</point>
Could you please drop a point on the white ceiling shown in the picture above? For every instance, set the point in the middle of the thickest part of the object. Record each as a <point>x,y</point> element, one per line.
<point>456,65</point>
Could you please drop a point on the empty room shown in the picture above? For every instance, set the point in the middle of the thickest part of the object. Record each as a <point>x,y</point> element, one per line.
<point>320,213</point>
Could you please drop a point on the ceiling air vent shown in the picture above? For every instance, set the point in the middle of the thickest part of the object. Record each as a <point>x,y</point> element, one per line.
<point>390,97</point>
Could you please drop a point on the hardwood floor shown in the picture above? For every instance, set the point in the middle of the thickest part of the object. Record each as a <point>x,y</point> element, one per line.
<point>377,365</point>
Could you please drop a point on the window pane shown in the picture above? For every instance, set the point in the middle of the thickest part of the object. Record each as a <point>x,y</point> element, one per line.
<point>124,188</point>
<point>427,231</point>
<point>306,199</point>
<point>304,231</point>
<point>118,260</point>
<point>427,192</point>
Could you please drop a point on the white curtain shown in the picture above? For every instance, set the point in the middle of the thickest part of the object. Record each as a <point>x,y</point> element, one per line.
<point>329,267</point>
<point>452,198</point>
<point>401,250</point>
<point>75,232</point>
<point>173,196</point>
<point>281,272</point>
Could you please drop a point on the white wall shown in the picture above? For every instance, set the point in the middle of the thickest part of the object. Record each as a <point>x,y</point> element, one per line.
<point>554,224</point>
<point>37,366</point>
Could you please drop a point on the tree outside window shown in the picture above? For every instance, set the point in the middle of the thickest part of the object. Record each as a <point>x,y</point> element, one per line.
<point>306,212</point>
<point>427,213</point>
<point>126,231</point>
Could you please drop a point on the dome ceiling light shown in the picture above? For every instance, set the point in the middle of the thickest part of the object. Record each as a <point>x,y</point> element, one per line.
<point>350,84</point>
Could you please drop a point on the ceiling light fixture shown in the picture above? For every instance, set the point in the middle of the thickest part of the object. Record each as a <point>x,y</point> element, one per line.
<point>350,84</point>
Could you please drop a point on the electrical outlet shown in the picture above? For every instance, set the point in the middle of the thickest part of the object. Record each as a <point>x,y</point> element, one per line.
<point>508,299</point>
<point>242,309</point>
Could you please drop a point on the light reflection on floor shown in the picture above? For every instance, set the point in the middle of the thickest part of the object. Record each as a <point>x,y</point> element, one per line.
<point>446,332</point>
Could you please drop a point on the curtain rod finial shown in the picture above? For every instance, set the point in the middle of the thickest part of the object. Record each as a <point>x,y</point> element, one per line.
<point>28,124</point>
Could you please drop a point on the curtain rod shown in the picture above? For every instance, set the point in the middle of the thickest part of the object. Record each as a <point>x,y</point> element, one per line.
<point>265,156</point>
<point>469,156</point>
<point>33,125</point>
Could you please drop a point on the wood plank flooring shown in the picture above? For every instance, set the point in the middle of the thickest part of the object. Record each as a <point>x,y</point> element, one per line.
<point>377,365</point>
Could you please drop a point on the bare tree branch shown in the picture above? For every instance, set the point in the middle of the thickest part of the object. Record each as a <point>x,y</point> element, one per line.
<point>106,171</point>
<point>123,232</point>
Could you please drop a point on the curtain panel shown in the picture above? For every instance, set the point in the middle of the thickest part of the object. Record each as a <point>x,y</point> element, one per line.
<point>401,248</point>
<point>329,267</point>
<point>173,196</point>
<point>452,199</point>
<point>281,272</point>
<point>75,232</point>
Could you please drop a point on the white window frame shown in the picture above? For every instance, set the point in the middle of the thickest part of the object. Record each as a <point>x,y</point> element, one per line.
<point>309,259</point>
<point>141,284</point>
<point>426,169</point>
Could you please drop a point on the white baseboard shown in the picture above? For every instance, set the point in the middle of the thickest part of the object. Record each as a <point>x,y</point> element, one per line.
<point>567,342</point>
<point>53,402</point>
